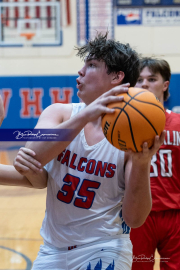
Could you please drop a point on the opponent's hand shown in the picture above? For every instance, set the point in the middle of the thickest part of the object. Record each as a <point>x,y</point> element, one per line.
<point>25,162</point>
<point>99,106</point>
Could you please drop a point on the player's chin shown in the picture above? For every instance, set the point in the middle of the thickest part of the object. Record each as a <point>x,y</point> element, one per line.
<point>81,93</point>
<point>81,96</point>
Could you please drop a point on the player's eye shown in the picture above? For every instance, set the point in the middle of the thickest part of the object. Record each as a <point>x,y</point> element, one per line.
<point>152,79</point>
<point>91,65</point>
<point>139,80</point>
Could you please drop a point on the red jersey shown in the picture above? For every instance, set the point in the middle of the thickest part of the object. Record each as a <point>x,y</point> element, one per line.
<point>165,167</point>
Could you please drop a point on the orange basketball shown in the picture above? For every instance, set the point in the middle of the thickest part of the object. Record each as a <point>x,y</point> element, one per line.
<point>138,119</point>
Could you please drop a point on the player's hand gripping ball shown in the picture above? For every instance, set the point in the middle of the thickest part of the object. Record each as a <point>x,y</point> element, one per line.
<point>138,119</point>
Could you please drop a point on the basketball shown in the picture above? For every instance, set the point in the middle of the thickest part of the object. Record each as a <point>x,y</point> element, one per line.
<point>137,119</point>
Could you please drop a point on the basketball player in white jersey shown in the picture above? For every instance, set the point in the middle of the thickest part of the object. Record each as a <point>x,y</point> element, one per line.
<point>95,192</point>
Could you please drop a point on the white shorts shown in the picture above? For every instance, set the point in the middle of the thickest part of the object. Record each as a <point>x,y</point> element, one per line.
<point>112,254</point>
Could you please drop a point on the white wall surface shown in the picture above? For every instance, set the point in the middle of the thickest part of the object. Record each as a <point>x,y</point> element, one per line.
<point>55,60</point>
<point>162,42</point>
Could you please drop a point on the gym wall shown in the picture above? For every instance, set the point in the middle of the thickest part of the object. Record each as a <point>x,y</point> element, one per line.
<point>33,77</point>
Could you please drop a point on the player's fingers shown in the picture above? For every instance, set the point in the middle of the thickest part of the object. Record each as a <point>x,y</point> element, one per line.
<point>123,88</point>
<point>111,99</point>
<point>28,158</point>
<point>159,139</point>
<point>28,151</point>
<point>145,149</point>
<point>21,168</point>
<point>157,143</point>
<point>106,110</point>
<point>25,168</point>
<point>20,161</point>
<point>162,137</point>
<point>119,89</point>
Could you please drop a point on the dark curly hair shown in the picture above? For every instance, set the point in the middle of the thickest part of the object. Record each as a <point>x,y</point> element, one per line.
<point>157,66</point>
<point>117,56</point>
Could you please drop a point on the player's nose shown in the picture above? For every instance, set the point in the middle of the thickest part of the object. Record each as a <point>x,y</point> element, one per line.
<point>145,84</point>
<point>81,72</point>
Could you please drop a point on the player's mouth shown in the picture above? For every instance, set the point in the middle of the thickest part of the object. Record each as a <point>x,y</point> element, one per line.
<point>79,84</point>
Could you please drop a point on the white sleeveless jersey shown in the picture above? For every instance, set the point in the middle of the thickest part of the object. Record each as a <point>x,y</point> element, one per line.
<point>84,193</point>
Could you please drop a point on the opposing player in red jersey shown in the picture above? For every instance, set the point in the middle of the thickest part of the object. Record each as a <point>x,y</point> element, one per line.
<point>162,227</point>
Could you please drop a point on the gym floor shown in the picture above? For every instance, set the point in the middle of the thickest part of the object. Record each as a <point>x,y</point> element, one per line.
<point>22,211</point>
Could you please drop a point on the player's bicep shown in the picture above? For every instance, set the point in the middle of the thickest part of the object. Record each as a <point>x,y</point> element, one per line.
<point>51,117</point>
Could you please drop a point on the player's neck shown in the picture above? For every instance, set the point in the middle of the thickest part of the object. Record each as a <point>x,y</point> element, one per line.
<point>93,132</point>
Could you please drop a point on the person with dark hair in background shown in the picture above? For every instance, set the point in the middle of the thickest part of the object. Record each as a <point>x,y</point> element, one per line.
<point>161,229</point>
<point>95,192</point>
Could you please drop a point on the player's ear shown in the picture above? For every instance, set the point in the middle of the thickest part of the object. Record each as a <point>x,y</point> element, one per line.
<point>166,85</point>
<point>117,77</point>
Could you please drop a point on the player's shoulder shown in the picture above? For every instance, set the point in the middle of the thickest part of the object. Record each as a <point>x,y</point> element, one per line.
<point>59,112</point>
<point>172,120</point>
<point>55,114</point>
<point>58,108</point>
<point>65,110</point>
<point>172,114</point>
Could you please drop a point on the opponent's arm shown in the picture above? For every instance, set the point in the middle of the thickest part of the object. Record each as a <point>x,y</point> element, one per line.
<point>30,173</point>
<point>10,177</point>
<point>26,164</point>
<point>137,201</point>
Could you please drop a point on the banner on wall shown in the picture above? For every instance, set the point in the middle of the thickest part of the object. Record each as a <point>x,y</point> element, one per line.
<point>129,16</point>
<point>25,98</point>
<point>149,16</point>
<point>161,16</point>
<point>135,3</point>
<point>93,16</point>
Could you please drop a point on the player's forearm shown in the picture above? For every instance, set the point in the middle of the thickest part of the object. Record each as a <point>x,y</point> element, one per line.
<point>137,201</point>
<point>47,150</point>
<point>38,180</point>
<point>10,177</point>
